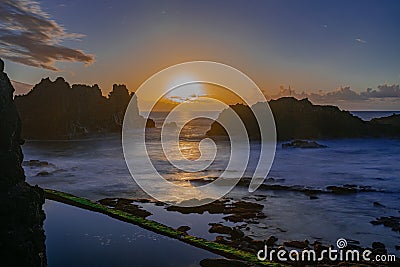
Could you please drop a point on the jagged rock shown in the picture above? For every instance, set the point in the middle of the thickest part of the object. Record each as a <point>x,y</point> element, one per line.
<point>62,111</point>
<point>22,240</point>
<point>300,119</point>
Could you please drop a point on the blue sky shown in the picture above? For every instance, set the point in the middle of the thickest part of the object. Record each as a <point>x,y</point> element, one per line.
<point>313,46</point>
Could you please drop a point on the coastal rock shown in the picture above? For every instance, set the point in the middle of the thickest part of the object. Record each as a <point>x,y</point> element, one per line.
<point>184,229</point>
<point>393,120</point>
<point>62,111</point>
<point>238,211</point>
<point>308,191</point>
<point>271,241</point>
<point>125,205</point>
<point>379,205</point>
<point>379,248</point>
<point>219,229</point>
<point>300,119</point>
<point>36,163</point>
<point>393,222</point>
<point>297,244</point>
<point>302,144</point>
<point>43,173</point>
<point>22,239</point>
<point>341,189</point>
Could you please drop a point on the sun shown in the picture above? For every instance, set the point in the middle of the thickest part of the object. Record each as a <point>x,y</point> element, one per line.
<point>185,88</point>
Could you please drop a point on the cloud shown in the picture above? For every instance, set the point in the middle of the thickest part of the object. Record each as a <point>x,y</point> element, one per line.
<point>383,93</point>
<point>358,40</point>
<point>340,94</point>
<point>29,36</point>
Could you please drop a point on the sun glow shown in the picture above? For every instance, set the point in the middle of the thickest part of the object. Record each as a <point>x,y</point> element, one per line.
<point>187,89</point>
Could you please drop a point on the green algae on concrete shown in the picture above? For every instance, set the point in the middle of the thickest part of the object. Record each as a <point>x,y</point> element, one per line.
<point>217,248</point>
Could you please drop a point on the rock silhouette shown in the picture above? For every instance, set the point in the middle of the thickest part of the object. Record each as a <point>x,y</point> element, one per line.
<point>56,110</point>
<point>21,215</point>
<point>300,119</point>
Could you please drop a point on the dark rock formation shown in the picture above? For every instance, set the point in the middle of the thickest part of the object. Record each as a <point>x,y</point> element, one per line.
<point>389,120</point>
<point>56,110</point>
<point>300,119</point>
<point>21,215</point>
<point>184,229</point>
<point>237,211</point>
<point>125,205</point>
<point>392,222</point>
<point>302,144</point>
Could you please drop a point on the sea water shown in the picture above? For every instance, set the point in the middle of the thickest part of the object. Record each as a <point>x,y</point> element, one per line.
<point>95,169</point>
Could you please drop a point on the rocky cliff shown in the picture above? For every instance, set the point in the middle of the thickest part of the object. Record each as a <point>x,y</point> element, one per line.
<point>300,119</point>
<point>57,110</point>
<point>21,215</point>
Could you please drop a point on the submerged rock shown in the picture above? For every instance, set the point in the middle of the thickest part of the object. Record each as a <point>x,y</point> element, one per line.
<point>36,163</point>
<point>379,205</point>
<point>43,173</point>
<point>302,144</point>
<point>392,222</point>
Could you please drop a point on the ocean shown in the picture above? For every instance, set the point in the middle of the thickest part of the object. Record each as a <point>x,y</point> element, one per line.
<point>95,169</point>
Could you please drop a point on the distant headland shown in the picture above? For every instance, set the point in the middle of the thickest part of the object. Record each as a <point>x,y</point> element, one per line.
<point>300,119</point>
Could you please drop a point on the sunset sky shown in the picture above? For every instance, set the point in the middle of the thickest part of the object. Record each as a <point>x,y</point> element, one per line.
<point>330,51</point>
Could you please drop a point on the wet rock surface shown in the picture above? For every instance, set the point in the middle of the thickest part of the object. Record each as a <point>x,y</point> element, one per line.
<point>237,211</point>
<point>184,229</point>
<point>236,236</point>
<point>126,205</point>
